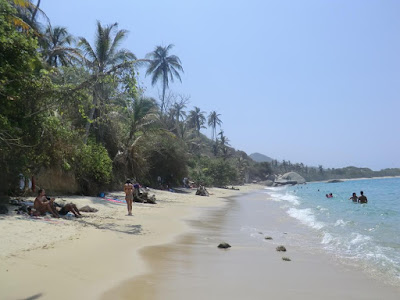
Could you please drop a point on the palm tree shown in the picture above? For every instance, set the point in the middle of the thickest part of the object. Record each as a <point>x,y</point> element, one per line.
<point>102,59</point>
<point>26,15</point>
<point>213,121</point>
<point>55,46</point>
<point>163,68</point>
<point>223,143</point>
<point>196,119</point>
<point>142,114</point>
<point>178,114</point>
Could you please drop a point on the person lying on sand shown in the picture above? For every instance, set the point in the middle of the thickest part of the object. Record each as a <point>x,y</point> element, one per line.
<point>44,204</point>
<point>70,207</point>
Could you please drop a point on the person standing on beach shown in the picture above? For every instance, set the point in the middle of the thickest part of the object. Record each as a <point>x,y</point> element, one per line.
<point>362,198</point>
<point>128,189</point>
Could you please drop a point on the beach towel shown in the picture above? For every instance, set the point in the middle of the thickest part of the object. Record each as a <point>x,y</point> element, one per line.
<point>115,200</point>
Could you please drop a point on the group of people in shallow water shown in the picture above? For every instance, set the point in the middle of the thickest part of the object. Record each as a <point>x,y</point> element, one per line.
<point>354,197</point>
<point>360,199</point>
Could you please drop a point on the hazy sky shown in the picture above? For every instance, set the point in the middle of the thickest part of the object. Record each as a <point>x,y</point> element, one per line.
<point>316,82</point>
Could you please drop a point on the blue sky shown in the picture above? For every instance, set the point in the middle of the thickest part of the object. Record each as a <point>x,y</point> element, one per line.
<point>316,82</point>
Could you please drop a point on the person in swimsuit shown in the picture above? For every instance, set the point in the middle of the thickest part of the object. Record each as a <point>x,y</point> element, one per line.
<point>128,189</point>
<point>70,207</point>
<point>354,197</point>
<point>44,204</point>
<point>362,198</point>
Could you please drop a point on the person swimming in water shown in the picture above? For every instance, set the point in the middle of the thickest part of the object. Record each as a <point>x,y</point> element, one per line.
<point>362,198</point>
<point>354,197</point>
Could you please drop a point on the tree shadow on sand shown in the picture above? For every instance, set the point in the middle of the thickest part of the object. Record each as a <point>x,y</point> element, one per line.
<point>128,229</point>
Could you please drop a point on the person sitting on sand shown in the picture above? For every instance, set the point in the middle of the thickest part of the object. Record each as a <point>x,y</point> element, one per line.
<point>362,198</point>
<point>70,207</point>
<point>44,204</point>
<point>354,197</point>
<point>128,189</point>
<point>136,190</point>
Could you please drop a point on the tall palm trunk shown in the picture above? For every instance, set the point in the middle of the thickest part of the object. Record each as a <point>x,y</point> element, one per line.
<point>165,78</point>
<point>35,11</point>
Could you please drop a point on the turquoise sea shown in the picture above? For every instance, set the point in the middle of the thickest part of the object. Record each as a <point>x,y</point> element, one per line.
<point>365,235</point>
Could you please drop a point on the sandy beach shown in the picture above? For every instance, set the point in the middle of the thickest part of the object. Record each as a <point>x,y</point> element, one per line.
<point>68,258</point>
<point>156,254</point>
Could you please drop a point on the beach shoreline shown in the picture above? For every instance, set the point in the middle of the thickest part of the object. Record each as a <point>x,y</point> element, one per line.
<point>109,255</point>
<point>192,266</point>
<point>96,253</point>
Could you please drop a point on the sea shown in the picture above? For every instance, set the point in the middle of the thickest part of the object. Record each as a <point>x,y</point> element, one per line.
<point>365,235</point>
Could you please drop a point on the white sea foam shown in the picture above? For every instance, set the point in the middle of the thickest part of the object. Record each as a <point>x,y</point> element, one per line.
<point>306,217</point>
<point>359,239</point>
<point>327,238</point>
<point>285,197</point>
<point>341,223</point>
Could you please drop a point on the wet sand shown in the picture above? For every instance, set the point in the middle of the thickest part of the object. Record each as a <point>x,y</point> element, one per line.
<point>193,267</point>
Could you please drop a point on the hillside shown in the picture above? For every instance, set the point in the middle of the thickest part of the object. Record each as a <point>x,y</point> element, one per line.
<point>258,157</point>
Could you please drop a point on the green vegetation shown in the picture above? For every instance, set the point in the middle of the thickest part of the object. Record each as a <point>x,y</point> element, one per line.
<point>73,109</point>
<point>267,166</point>
<point>72,112</point>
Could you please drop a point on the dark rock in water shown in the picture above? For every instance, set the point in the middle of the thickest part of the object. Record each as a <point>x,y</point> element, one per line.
<point>3,209</point>
<point>281,248</point>
<point>224,246</point>
<point>335,181</point>
<point>87,208</point>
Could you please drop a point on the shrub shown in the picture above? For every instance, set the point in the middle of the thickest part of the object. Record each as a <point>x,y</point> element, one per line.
<point>93,167</point>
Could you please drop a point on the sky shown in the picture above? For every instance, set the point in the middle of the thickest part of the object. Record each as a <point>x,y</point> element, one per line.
<point>316,82</point>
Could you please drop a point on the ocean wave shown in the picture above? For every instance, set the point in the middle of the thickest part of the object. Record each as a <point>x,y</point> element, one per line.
<point>278,197</point>
<point>306,217</point>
